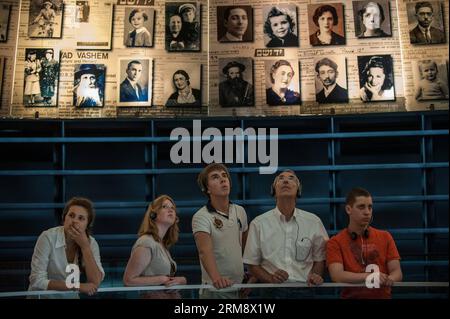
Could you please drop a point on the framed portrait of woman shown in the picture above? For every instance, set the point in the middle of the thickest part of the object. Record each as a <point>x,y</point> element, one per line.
<point>372,19</point>
<point>376,78</point>
<point>182,87</point>
<point>326,24</point>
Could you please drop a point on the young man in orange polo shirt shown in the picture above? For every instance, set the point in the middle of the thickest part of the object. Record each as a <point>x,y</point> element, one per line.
<point>359,245</point>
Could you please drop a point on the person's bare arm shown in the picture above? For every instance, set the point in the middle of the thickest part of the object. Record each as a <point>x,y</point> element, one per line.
<point>263,275</point>
<point>318,267</point>
<point>338,274</point>
<point>394,270</point>
<point>205,250</point>
<point>244,240</point>
<point>315,277</point>
<point>140,258</point>
<point>93,273</point>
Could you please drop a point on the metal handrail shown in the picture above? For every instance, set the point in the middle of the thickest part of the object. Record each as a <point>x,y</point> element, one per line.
<point>204,286</point>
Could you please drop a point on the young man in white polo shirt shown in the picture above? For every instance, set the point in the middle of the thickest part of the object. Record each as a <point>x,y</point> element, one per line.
<point>220,231</point>
<point>286,243</point>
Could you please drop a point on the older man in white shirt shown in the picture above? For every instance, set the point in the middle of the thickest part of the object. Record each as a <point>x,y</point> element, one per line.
<point>286,243</point>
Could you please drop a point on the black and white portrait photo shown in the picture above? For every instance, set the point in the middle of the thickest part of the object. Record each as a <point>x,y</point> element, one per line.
<point>89,85</point>
<point>280,26</point>
<point>236,82</point>
<point>282,82</point>
<point>45,18</point>
<point>135,82</point>
<point>372,19</point>
<point>426,22</point>
<point>183,27</point>
<point>139,25</point>
<point>82,11</point>
<point>431,79</point>
<point>96,34</point>
<point>331,79</point>
<point>41,77</point>
<point>376,78</point>
<point>182,86</point>
<point>326,24</point>
<point>5,10</point>
<point>234,24</point>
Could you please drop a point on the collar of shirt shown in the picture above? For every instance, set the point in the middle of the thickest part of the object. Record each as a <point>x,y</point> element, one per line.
<point>424,30</point>
<point>329,90</point>
<point>140,30</point>
<point>60,238</point>
<point>211,209</point>
<point>282,218</point>
<point>133,83</point>
<point>231,37</point>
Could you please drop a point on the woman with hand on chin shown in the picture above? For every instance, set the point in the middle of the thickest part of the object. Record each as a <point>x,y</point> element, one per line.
<point>150,262</point>
<point>68,244</point>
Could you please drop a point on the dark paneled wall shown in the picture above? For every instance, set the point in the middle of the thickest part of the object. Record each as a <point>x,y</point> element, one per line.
<point>121,165</point>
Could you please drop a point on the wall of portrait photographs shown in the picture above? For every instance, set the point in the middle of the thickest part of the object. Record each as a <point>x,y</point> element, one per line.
<point>154,58</point>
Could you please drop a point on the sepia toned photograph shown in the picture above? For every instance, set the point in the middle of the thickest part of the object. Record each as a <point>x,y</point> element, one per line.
<point>331,79</point>
<point>45,18</point>
<point>372,19</point>
<point>41,77</point>
<point>431,79</point>
<point>326,24</point>
<point>280,26</point>
<point>5,11</point>
<point>89,85</point>
<point>183,26</point>
<point>376,78</point>
<point>426,24</point>
<point>236,82</point>
<point>135,82</point>
<point>234,24</point>
<point>182,86</point>
<point>139,25</point>
<point>96,34</point>
<point>82,11</point>
<point>282,82</point>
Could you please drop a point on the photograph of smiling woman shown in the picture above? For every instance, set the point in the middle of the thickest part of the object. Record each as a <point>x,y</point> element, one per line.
<point>280,27</point>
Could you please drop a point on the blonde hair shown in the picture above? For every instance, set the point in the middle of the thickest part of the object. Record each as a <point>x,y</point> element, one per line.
<point>149,227</point>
